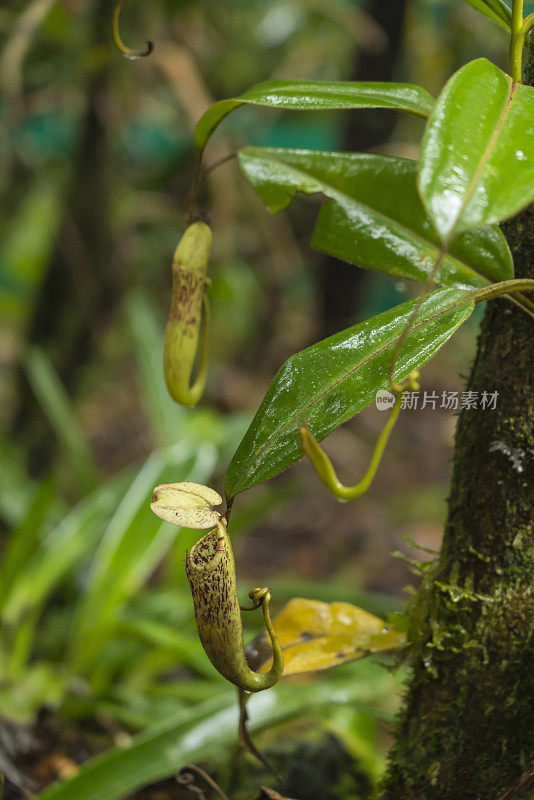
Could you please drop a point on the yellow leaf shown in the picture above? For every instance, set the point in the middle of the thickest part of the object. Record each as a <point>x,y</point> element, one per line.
<point>187,504</point>
<point>315,635</point>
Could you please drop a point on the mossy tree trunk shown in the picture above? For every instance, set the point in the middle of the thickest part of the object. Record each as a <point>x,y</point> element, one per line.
<point>467,728</point>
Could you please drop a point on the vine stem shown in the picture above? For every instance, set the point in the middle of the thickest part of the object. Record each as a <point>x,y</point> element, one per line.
<point>198,179</point>
<point>517,40</point>
<point>522,302</point>
<point>247,743</point>
<point>504,287</point>
<point>413,315</point>
<point>519,44</point>
<point>187,775</point>
<point>195,186</point>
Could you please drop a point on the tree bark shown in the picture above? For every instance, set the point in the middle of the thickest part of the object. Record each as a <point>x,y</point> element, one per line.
<point>467,728</point>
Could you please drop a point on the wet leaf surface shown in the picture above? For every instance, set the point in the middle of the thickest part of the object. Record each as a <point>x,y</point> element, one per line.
<point>477,156</point>
<point>332,380</point>
<point>373,216</point>
<point>318,96</point>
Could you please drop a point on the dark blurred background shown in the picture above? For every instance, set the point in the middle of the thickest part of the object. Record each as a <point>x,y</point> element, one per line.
<point>97,159</point>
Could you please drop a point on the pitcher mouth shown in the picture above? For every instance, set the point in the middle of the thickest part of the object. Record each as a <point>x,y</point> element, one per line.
<point>203,551</point>
<point>208,551</point>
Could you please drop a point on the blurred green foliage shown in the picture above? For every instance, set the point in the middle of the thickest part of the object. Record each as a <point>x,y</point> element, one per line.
<point>96,620</point>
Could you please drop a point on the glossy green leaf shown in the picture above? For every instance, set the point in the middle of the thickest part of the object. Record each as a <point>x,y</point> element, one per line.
<point>477,157</point>
<point>332,380</point>
<point>318,96</point>
<point>496,10</point>
<point>373,216</point>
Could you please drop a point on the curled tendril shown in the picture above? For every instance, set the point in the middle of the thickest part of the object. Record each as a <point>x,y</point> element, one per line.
<point>322,464</point>
<point>190,774</point>
<point>244,735</point>
<point>119,44</point>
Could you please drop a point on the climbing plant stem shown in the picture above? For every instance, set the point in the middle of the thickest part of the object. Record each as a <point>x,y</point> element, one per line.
<point>504,287</point>
<point>517,40</point>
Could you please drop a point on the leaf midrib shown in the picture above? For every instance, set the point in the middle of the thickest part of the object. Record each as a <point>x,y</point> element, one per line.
<point>490,147</point>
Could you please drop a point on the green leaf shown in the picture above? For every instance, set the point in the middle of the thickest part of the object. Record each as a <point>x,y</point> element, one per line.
<point>133,544</point>
<point>25,538</point>
<point>318,96</point>
<point>496,10</point>
<point>185,649</point>
<point>373,216</point>
<point>27,242</point>
<point>477,155</point>
<point>39,684</point>
<point>60,552</point>
<point>56,404</point>
<point>158,753</point>
<point>208,732</point>
<point>147,330</point>
<point>332,380</point>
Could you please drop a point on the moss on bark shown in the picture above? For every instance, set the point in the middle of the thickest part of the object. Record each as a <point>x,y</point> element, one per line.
<point>467,728</point>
